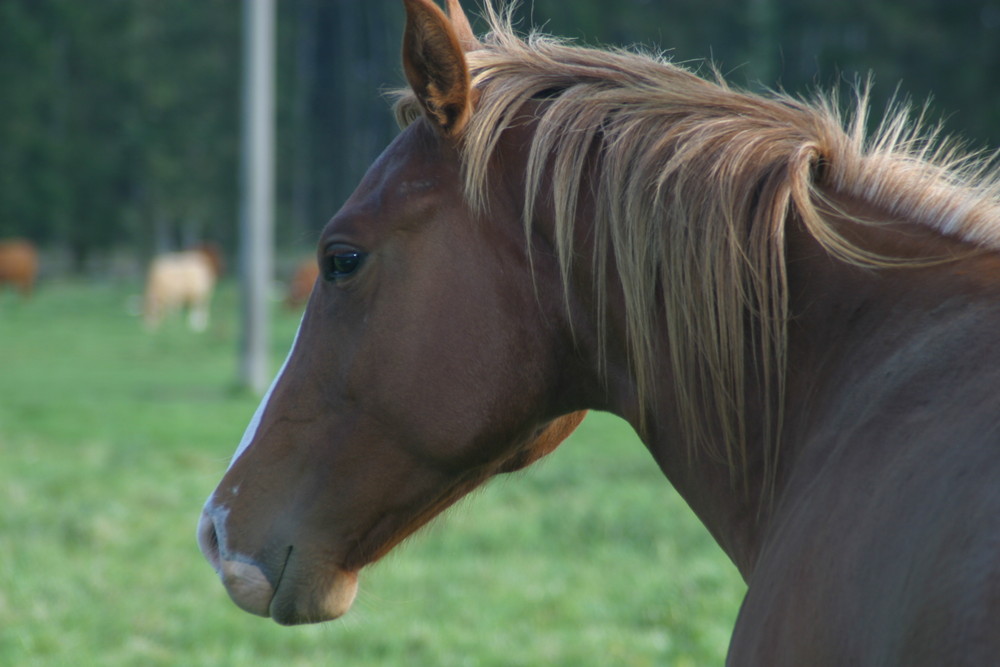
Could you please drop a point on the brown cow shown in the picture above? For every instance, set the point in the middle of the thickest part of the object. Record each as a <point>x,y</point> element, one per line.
<point>18,265</point>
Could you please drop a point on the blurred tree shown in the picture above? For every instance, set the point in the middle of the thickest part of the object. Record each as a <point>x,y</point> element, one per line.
<point>117,121</point>
<point>945,49</point>
<point>183,72</point>
<point>119,118</point>
<point>27,64</point>
<point>342,59</point>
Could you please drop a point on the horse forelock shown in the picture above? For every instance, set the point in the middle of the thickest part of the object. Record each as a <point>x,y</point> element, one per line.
<point>696,181</point>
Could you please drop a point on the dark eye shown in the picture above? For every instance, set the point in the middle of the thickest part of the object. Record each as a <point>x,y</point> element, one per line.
<point>341,262</point>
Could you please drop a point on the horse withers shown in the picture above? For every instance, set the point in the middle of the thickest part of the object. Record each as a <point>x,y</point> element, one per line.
<point>182,280</point>
<point>798,319</point>
<point>19,265</point>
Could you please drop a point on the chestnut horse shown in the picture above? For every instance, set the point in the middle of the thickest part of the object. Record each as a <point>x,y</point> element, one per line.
<point>18,265</point>
<point>178,280</point>
<point>800,321</point>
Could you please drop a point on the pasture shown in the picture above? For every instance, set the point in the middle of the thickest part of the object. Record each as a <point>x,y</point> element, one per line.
<point>111,438</point>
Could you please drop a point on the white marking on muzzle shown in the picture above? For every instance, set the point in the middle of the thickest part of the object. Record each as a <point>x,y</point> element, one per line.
<point>251,430</point>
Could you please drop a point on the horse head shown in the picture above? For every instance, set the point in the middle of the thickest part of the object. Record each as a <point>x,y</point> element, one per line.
<point>429,358</point>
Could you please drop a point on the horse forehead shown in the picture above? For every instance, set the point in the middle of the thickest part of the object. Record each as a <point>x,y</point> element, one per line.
<point>418,161</point>
<point>413,177</point>
<point>415,186</point>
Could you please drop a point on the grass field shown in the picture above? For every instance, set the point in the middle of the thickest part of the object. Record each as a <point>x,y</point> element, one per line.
<point>111,438</point>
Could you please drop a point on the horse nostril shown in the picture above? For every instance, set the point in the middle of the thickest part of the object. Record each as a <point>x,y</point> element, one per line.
<point>208,540</point>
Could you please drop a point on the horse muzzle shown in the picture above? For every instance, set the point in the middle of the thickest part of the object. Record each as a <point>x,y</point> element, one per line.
<point>284,587</point>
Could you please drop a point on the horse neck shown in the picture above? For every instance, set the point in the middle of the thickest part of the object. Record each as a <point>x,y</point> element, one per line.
<point>850,318</point>
<point>842,318</point>
<point>728,503</point>
<point>872,351</point>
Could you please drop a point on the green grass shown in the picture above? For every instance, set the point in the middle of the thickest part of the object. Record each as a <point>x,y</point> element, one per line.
<point>111,438</point>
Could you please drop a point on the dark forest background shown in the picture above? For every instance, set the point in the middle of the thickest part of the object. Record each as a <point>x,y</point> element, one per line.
<point>119,119</point>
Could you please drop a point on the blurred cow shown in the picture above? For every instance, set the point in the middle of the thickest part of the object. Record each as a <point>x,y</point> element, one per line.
<point>179,280</point>
<point>18,265</point>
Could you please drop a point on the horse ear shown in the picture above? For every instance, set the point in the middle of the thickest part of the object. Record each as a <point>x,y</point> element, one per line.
<point>435,66</point>
<point>463,29</point>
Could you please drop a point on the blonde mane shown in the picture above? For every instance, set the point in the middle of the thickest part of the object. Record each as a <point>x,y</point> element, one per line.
<point>694,184</point>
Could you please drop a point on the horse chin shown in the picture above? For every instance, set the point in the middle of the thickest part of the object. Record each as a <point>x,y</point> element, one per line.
<point>323,597</point>
<point>313,597</point>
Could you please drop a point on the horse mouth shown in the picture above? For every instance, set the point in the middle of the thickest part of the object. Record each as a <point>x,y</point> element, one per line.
<point>296,591</point>
<point>301,597</point>
<point>295,599</point>
<point>247,585</point>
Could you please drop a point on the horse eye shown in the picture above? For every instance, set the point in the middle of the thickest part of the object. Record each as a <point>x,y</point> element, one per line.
<point>341,262</point>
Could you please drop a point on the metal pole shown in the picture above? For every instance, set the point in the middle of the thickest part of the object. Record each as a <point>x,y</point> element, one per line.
<point>257,191</point>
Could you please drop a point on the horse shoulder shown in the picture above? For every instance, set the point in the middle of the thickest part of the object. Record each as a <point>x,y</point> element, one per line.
<point>898,526</point>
